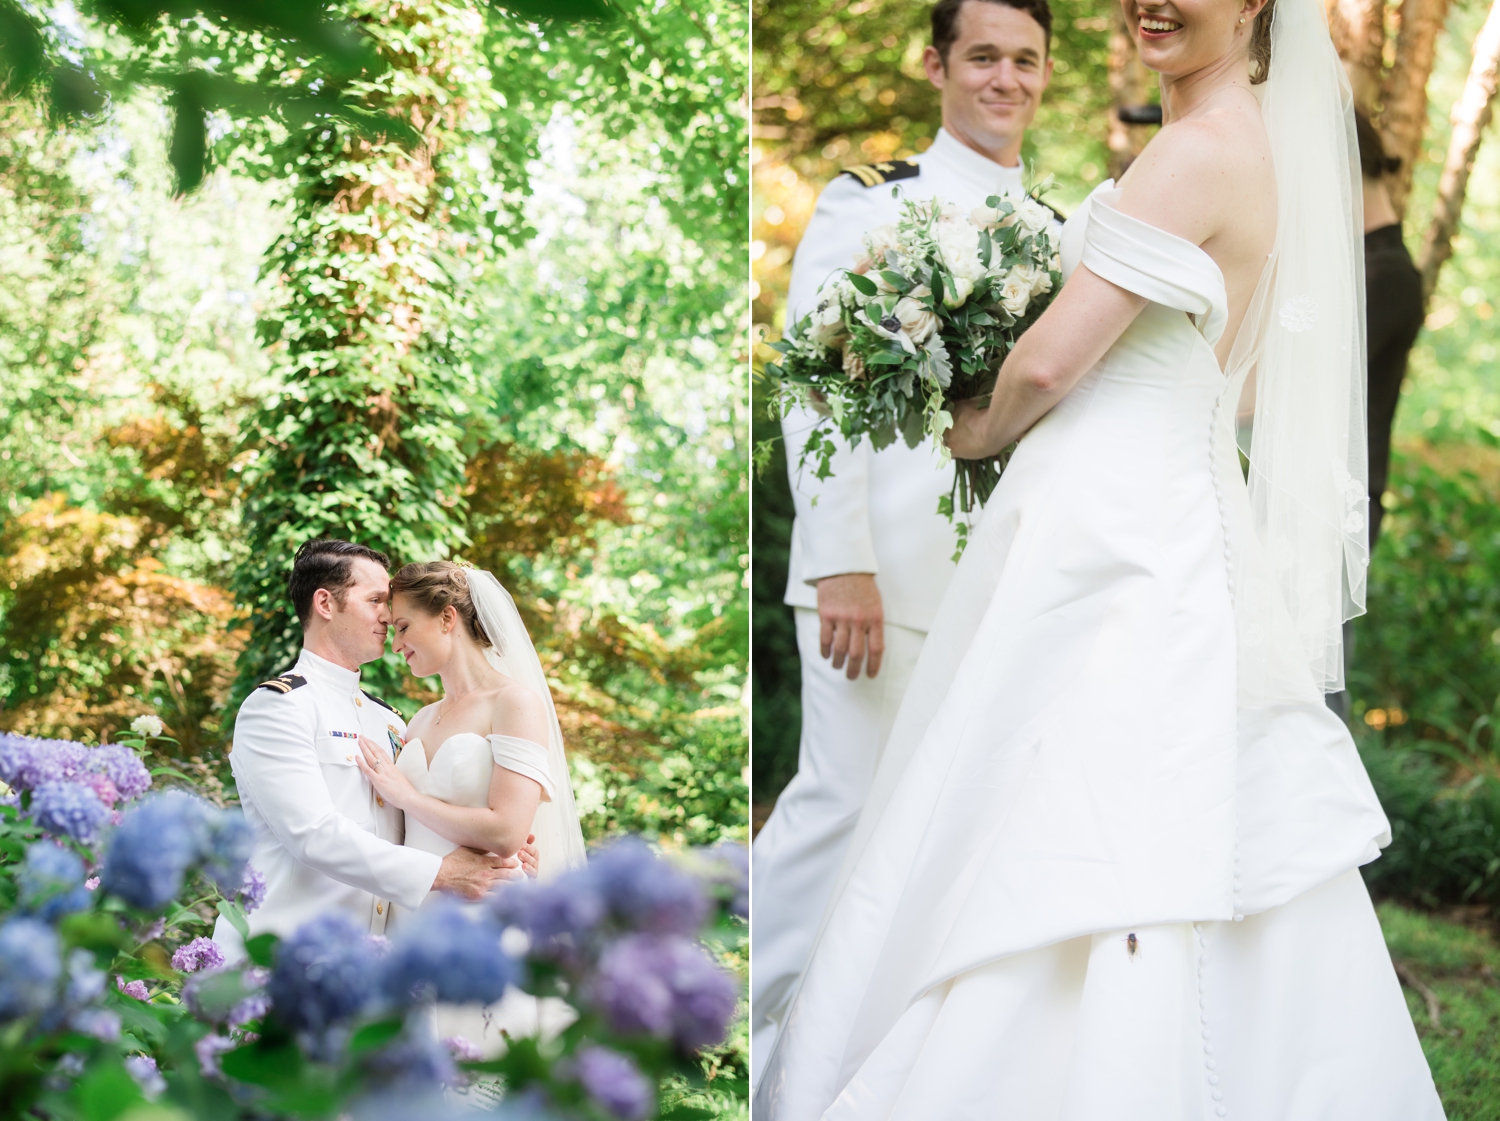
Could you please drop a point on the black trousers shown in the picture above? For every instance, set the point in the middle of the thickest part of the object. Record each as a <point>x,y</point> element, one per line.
<point>1393,316</point>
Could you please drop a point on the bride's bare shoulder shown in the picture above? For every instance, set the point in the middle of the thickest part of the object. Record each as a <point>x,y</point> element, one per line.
<point>516,711</point>
<point>1194,175</point>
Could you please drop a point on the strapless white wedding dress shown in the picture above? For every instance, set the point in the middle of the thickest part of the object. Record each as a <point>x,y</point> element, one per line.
<point>1089,885</point>
<point>459,774</point>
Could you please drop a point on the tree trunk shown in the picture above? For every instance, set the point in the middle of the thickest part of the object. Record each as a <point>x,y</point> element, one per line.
<point>1129,86</point>
<point>1358,30</point>
<point>1471,115</point>
<point>1403,117</point>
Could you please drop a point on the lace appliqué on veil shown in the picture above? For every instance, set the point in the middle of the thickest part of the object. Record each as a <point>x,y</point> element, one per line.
<point>1299,314</point>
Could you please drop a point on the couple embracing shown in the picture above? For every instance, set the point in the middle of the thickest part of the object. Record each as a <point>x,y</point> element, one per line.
<point>1100,857</point>
<point>357,813</point>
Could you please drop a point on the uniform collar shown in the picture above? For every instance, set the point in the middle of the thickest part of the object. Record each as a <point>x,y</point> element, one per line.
<point>982,171</point>
<point>322,670</point>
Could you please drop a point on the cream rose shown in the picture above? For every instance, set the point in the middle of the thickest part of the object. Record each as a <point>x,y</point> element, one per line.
<point>1015,293</point>
<point>916,320</point>
<point>877,243</point>
<point>854,366</point>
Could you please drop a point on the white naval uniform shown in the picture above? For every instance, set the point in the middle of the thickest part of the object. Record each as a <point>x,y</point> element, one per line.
<point>324,840</point>
<point>876,514</point>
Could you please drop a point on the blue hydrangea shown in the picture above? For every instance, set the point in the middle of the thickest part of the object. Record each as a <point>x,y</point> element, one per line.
<point>122,767</point>
<point>30,967</point>
<point>142,1068</point>
<point>434,1105</point>
<point>154,847</point>
<point>67,809</point>
<point>666,986</point>
<point>51,882</point>
<point>324,976</point>
<point>229,844</point>
<point>645,892</point>
<point>414,1060</point>
<point>616,1083</point>
<point>448,952</point>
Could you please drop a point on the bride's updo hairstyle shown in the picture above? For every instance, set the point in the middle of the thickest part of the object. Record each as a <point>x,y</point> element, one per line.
<point>435,585</point>
<point>1260,45</point>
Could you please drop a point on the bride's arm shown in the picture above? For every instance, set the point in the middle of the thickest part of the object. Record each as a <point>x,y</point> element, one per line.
<point>1084,321</point>
<point>501,827</point>
<point>1176,185</point>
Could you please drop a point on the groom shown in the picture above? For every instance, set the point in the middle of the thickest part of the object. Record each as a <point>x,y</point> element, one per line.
<point>324,840</point>
<point>871,557</point>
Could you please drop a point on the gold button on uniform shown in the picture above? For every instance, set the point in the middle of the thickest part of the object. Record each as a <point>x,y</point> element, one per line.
<point>359,702</point>
<point>380,908</point>
<point>379,801</point>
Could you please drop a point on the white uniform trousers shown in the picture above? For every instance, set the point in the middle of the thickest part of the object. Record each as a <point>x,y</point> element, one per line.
<point>796,857</point>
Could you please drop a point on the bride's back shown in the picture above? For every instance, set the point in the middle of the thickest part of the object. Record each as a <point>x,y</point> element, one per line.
<point>1208,178</point>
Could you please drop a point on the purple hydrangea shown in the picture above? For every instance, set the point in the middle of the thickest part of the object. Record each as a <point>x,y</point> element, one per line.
<point>51,882</point>
<point>228,851</point>
<point>208,1049</point>
<point>616,1083</point>
<point>26,763</point>
<point>123,768</point>
<point>571,906</point>
<point>200,953</point>
<point>448,952</point>
<point>30,967</point>
<point>100,1023</point>
<point>136,989</point>
<point>154,847</point>
<point>233,997</point>
<point>103,789</point>
<point>462,1049</point>
<point>728,867</point>
<point>252,889</point>
<point>645,892</point>
<point>142,1068</point>
<point>431,1104</point>
<point>67,809</point>
<point>324,976</point>
<point>666,986</point>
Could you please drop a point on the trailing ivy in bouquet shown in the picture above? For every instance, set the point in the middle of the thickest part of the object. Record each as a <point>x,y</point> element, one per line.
<point>110,998</point>
<point>923,319</point>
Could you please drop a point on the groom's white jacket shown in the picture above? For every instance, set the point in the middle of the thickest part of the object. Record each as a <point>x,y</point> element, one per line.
<point>878,513</point>
<point>323,839</point>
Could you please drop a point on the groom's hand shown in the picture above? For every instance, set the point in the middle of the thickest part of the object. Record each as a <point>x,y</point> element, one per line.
<point>471,874</point>
<point>852,622</point>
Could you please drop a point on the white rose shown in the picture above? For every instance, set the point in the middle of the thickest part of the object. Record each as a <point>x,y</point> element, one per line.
<point>148,726</point>
<point>1033,216</point>
<point>986,216</point>
<point>1015,293</point>
<point>916,320</point>
<point>1041,280</point>
<point>958,242</point>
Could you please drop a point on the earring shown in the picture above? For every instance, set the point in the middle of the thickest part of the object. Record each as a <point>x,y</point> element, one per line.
<point>1242,19</point>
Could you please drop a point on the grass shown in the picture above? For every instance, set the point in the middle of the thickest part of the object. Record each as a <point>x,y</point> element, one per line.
<point>1452,968</point>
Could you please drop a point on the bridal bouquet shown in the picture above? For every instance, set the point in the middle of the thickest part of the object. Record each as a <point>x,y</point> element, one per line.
<point>923,319</point>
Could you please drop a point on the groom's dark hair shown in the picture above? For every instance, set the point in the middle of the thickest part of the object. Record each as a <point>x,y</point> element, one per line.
<point>945,20</point>
<point>326,562</point>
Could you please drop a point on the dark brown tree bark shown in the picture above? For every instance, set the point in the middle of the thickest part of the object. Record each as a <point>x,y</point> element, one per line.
<point>1358,30</point>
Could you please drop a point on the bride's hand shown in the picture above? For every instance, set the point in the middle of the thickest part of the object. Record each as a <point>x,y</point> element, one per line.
<point>969,436</point>
<point>387,779</point>
<point>528,856</point>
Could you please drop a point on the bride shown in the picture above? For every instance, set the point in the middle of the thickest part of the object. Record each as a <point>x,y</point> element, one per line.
<point>484,767</point>
<point>1109,864</point>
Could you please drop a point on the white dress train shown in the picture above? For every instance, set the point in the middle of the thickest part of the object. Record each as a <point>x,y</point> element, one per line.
<point>1072,766</point>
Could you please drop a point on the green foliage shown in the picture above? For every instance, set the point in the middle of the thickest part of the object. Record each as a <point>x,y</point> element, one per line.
<point>1430,645</point>
<point>1457,964</point>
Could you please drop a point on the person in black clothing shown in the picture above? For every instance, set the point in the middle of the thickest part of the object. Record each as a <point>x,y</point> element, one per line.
<point>1393,310</point>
